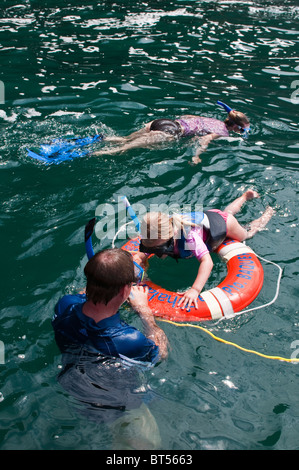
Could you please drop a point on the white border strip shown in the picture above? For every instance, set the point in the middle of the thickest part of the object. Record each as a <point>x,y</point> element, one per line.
<point>239,251</point>
<point>224,301</point>
<point>230,247</point>
<point>212,304</point>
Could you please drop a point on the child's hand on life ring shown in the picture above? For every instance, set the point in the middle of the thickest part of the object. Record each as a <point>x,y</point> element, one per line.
<point>188,298</point>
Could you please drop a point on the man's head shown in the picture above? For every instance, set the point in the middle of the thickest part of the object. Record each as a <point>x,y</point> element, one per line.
<point>107,273</point>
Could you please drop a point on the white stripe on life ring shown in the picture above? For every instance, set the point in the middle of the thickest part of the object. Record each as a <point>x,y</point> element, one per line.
<point>212,304</point>
<point>229,251</point>
<point>224,301</point>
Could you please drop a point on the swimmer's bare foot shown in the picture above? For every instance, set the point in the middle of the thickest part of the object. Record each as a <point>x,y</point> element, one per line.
<point>250,194</point>
<point>236,205</point>
<point>196,160</point>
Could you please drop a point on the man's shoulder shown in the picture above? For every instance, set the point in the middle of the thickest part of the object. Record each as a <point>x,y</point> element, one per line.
<point>68,301</point>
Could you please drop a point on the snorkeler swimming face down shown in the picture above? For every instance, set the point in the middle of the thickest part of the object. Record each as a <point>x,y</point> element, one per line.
<point>203,130</point>
<point>236,122</point>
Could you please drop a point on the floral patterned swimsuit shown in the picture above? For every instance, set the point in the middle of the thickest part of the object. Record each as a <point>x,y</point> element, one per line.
<point>202,126</point>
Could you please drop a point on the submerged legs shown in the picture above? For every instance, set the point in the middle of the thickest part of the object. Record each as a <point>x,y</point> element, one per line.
<point>234,229</point>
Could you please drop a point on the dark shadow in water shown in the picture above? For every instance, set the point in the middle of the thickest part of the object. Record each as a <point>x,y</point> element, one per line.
<point>111,393</point>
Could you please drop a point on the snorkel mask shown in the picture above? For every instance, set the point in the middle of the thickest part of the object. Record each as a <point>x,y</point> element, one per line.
<point>244,130</point>
<point>166,248</point>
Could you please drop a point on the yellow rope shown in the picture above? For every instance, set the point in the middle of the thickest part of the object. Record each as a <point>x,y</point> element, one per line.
<point>277,358</point>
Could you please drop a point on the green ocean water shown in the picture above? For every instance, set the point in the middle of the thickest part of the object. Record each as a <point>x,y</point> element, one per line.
<point>78,68</point>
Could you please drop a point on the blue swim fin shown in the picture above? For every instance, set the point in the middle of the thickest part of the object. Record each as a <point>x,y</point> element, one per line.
<point>38,157</point>
<point>61,150</point>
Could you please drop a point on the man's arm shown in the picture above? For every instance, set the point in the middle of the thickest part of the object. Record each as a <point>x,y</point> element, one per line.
<point>139,302</point>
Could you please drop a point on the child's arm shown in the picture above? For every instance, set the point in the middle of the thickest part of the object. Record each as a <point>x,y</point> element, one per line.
<point>204,271</point>
<point>204,142</point>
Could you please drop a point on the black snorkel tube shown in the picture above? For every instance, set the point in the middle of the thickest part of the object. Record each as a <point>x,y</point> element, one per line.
<point>89,228</point>
<point>244,130</point>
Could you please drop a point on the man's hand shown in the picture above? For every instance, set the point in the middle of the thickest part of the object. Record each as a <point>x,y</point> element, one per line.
<point>139,301</point>
<point>138,297</point>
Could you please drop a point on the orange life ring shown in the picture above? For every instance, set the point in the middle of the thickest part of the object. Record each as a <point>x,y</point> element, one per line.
<point>241,286</point>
